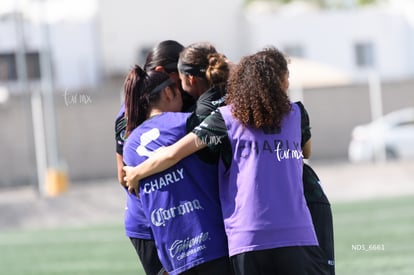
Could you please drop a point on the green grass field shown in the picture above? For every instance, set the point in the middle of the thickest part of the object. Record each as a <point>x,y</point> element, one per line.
<point>375,237</point>
<point>372,238</point>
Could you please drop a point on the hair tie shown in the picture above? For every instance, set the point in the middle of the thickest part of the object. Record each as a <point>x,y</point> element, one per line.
<point>164,84</point>
<point>141,73</point>
<point>170,67</point>
<point>192,69</point>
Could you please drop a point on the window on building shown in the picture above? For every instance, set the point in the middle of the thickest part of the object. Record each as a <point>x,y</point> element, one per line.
<point>8,70</point>
<point>33,65</point>
<point>8,66</point>
<point>364,55</point>
<point>294,50</point>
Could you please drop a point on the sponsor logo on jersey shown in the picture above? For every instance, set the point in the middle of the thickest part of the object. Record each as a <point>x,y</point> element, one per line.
<point>160,216</point>
<point>163,181</point>
<point>181,249</point>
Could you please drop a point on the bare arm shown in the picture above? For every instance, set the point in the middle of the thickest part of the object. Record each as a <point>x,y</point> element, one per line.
<point>162,160</point>
<point>121,173</point>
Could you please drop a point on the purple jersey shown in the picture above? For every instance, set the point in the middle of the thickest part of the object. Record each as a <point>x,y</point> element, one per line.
<point>261,192</point>
<point>136,224</point>
<point>181,203</point>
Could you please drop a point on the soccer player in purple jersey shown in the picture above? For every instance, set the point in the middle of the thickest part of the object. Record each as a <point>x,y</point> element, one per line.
<point>182,203</point>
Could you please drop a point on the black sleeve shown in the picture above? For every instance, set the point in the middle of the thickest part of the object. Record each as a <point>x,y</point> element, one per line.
<point>201,112</point>
<point>189,103</point>
<point>120,128</point>
<point>193,120</point>
<point>212,129</point>
<point>213,132</point>
<point>305,124</point>
<point>205,105</point>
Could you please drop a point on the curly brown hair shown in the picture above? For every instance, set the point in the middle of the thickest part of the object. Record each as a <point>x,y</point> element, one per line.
<point>255,89</point>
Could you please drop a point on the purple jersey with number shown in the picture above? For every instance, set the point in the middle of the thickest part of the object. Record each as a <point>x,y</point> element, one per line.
<point>182,203</point>
<point>261,192</point>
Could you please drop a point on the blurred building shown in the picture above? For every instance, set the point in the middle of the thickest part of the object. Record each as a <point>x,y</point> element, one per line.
<point>72,43</point>
<point>356,41</point>
<point>130,28</point>
<point>88,44</point>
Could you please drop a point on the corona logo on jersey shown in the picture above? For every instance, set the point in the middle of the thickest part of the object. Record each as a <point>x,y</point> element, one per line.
<point>160,216</point>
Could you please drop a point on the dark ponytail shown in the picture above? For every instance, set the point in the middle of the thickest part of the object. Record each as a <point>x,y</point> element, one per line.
<point>134,110</point>
<point>141,91</point>
<point>165,54</point>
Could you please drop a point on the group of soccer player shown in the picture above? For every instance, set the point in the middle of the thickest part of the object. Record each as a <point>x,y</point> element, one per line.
<point>210,154</point>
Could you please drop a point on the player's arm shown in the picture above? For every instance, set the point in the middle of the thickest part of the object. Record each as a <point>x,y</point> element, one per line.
<point>119,166</point>
<point>212,126</point>
<point>161,160</point>
<point>306,131</point>
<point>307,149</point>
<point>120,126</point>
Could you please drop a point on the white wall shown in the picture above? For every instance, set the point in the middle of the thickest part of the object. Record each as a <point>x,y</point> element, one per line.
<point>73,45</point>
<point>8,38</point>
<point>76,55</point>
<point>128,25</point>
<point>329,37</point>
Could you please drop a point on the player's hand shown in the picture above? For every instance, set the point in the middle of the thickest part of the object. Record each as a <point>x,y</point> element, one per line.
<point>131,181</point>
<point>121,177</point>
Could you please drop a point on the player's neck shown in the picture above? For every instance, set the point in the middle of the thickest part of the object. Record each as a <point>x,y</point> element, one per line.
<point>154,112</point>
